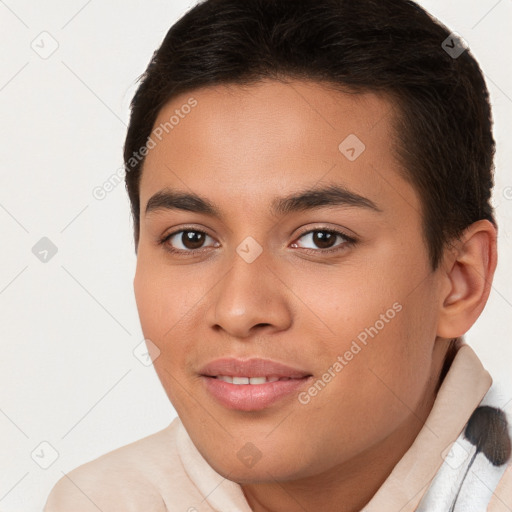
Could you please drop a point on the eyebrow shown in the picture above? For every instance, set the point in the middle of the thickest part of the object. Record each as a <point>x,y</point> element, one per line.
<point>309,199</point>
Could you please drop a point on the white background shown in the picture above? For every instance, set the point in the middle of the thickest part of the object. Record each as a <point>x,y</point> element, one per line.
<point>69,326</point>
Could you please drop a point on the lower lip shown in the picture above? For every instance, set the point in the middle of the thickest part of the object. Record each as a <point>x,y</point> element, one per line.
<point>252,397</point>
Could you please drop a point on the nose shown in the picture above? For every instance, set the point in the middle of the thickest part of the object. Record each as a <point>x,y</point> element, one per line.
<point>250,297</point>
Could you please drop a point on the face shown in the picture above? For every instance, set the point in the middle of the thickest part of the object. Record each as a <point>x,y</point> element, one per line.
<point>334,284</point>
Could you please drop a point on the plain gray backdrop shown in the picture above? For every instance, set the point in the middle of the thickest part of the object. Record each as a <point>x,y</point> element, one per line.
<point>71,387</point>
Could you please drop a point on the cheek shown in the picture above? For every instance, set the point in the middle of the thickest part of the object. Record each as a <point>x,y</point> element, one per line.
<point>155,306</point>
<point>171,304</point>
<point>163,298</point>
<point>341,304</point>
<point>380,383</point>
<point>162,311</point>
<point>146,289</point>
<point>382,324</point>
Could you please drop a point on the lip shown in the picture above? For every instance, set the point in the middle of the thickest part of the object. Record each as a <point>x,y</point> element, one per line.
<point>254,367</point>
<point>251,397</point>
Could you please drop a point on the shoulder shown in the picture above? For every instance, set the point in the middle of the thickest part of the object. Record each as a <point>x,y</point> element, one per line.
<point>128,478</point>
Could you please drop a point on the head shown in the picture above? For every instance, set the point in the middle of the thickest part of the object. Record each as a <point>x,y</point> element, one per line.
<point>259,125</point>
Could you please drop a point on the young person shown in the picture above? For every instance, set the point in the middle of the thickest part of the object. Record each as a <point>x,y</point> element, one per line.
<point>310,184</point>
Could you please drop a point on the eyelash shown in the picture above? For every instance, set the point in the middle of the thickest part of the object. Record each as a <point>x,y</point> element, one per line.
<point>349,242</point>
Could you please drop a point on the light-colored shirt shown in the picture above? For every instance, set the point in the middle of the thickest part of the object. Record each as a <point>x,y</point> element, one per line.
<point>456,463</point>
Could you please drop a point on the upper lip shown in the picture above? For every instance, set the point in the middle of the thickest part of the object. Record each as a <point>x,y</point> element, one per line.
<point>255,367</point>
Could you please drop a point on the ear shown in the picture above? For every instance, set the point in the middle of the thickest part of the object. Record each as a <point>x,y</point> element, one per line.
<point>468,270</point>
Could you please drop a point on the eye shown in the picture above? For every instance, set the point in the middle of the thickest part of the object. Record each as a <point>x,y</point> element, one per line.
<point>185,241</point>
<point>325,239</point>
<point>188,242</point>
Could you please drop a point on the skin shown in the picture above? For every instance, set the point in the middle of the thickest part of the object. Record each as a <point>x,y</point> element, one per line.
<point>240,148</point>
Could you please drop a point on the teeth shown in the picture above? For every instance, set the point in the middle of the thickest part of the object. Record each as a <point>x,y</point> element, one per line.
<point>249,380</point>
<point>257,380</point>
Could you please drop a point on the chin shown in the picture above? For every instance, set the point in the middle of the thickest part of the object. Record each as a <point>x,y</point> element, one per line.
<point>266,469</point>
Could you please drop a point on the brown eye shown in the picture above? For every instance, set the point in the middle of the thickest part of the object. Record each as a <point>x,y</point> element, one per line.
<point>325,239</point>
<point>185,241</point>
<point>192,239</point>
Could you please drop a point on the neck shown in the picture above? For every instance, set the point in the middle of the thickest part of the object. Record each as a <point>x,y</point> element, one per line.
<point>349,486</point>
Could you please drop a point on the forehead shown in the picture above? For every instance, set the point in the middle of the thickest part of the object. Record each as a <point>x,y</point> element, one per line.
<point>248,145</point>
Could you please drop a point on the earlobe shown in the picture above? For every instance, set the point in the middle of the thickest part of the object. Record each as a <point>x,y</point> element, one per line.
<point>469,274</point>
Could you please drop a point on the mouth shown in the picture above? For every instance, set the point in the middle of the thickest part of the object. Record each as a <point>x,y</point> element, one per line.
<point>237,380</point>
<point>251,384</point>
<point>253,393</point>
